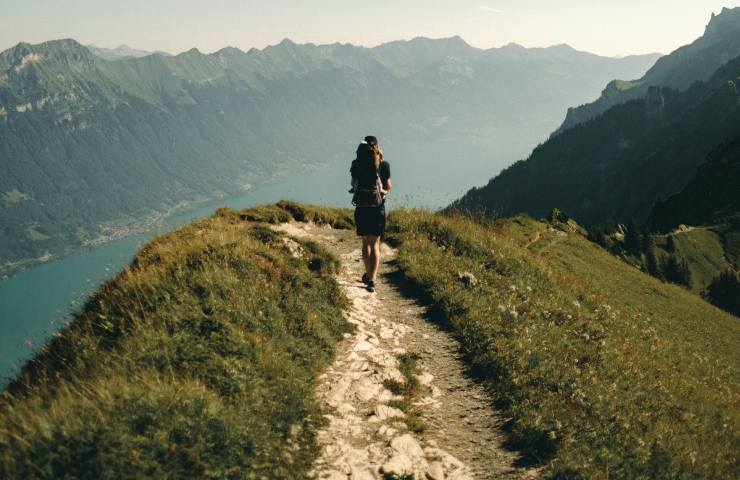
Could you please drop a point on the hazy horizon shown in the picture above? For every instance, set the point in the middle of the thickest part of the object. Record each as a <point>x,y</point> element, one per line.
<point>630,28</point>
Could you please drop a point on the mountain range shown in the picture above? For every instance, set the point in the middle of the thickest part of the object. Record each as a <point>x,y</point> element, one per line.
<point>679,70</point>
<point>618,164</point>
<point>89,144</point>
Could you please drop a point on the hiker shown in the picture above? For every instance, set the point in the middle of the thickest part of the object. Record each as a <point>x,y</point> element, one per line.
<point>371,182</point>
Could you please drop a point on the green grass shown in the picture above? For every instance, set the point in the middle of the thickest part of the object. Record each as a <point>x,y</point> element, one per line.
<point>197,361</point>
<point>703,251</point>
<point>285,211</point>
<point>410,389</point>
<point>625,84</point>
<point>605,371</point>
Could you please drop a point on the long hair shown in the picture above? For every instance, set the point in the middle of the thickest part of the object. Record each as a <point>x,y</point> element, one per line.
<point>369,156</point>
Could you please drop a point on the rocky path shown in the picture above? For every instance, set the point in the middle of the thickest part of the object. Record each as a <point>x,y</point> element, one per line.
<point>366,436</point>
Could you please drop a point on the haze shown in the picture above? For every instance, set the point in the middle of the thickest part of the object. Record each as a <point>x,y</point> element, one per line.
<point>600,26</point>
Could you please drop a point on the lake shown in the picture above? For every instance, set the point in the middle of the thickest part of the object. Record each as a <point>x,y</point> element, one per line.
<point>37,302</point>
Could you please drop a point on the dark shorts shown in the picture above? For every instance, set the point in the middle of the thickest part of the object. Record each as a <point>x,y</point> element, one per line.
<point>370,220</point>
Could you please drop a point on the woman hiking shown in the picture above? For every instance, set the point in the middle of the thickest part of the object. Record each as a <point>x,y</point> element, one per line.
<point>371,182</point>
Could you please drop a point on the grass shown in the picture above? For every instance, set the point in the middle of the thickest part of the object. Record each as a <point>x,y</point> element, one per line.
<point>703,251</point>
<point>285,211</point>
<point>605,371</point>
<point>196,361</point>
<point>199,359</point>
<point>410,389</point>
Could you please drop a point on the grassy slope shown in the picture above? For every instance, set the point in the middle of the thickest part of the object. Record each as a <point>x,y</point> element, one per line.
<point>606,372</point>
<point>197,361</point>
<point>703,251</point>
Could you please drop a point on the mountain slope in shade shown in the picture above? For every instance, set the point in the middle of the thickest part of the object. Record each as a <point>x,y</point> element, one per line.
<point>617,165</point>
<point>690,63</point>
<point>85,141</point>
<point>712,197</point>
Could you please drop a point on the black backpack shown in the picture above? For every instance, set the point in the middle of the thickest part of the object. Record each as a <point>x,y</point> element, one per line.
<point>369,195</point>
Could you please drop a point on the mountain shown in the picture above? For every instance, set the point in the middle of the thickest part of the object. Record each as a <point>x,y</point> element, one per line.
<point>679,70</point>
<point>711,198</point>
<point>703,219</point>
<point>619,164</point>
<point>122,51</point>
<point>89,148</point>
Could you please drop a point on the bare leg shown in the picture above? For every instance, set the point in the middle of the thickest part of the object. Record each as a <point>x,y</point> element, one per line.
<point>374,257</point>
<point>366,251</point>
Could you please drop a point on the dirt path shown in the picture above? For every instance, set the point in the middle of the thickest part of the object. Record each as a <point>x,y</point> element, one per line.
<point>365,437</point>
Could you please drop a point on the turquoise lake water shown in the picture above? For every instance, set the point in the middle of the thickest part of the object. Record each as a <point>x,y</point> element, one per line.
<point>37,302</point>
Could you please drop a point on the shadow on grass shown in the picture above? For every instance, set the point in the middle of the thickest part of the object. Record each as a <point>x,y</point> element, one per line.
<point>534,449</point>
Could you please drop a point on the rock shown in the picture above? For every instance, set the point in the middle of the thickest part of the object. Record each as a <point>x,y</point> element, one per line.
<point>467,278</point>
<point>361,474</point>
<point>366,389</point>
<point>425,378</point>
<point>295,248</point>
<point>333,475</point>
<point>338,392</point>
<point>364,347</point>
<point>435,471</point>
<point>384,412</point>
<point>386,333</point>
<point>407,445</point>
<point>399,464</point>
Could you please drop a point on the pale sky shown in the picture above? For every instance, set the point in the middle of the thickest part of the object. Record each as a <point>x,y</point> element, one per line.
<point>607,27</point>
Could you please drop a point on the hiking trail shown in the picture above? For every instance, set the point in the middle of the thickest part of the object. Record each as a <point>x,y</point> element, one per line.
<point>365,438</point>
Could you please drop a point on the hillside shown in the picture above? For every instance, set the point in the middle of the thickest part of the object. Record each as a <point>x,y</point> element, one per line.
<point>616,166</point>
<point>711,197</point>
<point>200,357</point>
<point>679,70</point>
<point>91,148</point>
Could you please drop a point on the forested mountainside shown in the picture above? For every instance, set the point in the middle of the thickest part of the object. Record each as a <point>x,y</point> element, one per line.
<point>679,70</point>
<point>712,197</point>
<point>616,166</point>
<point>88,144</point>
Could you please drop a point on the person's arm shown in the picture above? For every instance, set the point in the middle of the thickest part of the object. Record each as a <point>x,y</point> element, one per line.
<point>386,174</point>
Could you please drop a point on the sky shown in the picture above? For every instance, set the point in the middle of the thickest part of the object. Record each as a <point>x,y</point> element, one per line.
<point>607,27</point>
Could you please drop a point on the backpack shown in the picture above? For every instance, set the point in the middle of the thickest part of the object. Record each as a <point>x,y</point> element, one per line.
<point>369,196</point>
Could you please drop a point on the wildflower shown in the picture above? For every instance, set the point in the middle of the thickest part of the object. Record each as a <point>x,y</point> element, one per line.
<point>29,343</point>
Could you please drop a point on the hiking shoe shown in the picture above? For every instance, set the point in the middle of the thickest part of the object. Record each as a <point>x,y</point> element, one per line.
<point>365,278</point>
<point>370,286</point>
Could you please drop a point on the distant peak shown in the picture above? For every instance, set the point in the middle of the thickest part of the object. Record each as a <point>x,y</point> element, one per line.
<point>563,46</point>
<point>192,51</point>
<point>230,49</point>
<point>514,46</point>
<point>287,43</point>
<point>726,23</point>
